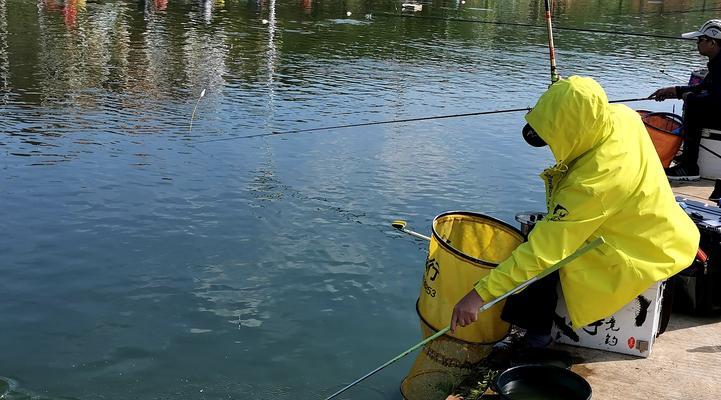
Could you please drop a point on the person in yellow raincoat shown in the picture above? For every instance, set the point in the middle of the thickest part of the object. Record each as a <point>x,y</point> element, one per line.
<point>607,181</point>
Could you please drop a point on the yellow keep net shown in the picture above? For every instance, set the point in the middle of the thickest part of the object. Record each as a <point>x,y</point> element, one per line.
<point>464,248</point>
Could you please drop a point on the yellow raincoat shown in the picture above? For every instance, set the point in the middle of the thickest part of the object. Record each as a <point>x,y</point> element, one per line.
<point>607,181</point>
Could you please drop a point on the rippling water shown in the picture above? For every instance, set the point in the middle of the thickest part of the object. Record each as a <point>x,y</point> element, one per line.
<point>145,259</point>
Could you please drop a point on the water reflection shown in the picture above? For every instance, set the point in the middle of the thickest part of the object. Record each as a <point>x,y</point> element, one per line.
<point>160,5</point>
<point>4,60</point>
<point>69,9</point>
<point>101,48</point>
<point>271,56</point>
<point>219,286</point>
<point>209,7</point>
<point>306,6</point>
<point>141,73</point>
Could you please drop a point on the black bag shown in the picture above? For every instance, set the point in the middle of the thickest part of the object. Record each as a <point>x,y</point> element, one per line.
<point>697,289</point>
<point>694,288</point>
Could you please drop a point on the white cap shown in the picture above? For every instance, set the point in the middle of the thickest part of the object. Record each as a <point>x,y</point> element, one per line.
<point>712,29</point>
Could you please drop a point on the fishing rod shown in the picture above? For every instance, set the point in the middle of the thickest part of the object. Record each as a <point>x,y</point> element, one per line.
<point>551,48</point>
<point>534,26</point>
<point>394,121</point>
<point>580,251</point>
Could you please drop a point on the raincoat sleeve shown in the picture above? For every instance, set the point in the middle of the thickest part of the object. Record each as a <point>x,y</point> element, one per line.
<point>578,214</point>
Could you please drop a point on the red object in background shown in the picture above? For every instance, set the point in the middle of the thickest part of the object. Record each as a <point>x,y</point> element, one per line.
<point>70,12</point>
<point>161,5</point>
<point>664,130</point>
<point>50,5</point>
<point>631,342</point>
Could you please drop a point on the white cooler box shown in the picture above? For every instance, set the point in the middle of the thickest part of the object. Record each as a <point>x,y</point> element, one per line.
<point>709,154</point>
<point>631,330</point>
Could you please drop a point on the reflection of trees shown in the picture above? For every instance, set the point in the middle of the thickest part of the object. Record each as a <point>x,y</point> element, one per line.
<point>88,54</point>
<point>153,68</point>
<point>166,49</point>
<point>205,51</point>
<point>68,8</point>
<point>60,61</point>
<point>4,61</point>
<point>271,56</point>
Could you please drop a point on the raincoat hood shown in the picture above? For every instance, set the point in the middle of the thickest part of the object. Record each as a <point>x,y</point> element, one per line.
<point>572,116</point>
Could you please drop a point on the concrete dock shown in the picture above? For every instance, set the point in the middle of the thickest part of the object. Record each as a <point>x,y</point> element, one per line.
<point>699,191</point>
<point>685,362</point>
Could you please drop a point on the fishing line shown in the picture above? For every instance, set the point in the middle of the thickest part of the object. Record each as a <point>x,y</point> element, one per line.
<point>190,128</point>
<point>394,121</point>
<point>534,26</point>
<point>554,78</point>
<point>675,77</point>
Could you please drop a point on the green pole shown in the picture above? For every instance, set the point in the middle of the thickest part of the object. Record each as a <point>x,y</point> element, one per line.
<point>591,245</point>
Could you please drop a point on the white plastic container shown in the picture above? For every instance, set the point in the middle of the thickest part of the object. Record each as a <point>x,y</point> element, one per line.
<point>709,154</point>
<point>631,330</point>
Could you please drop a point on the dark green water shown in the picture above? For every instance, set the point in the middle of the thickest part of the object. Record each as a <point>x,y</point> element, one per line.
<point>140,263</point>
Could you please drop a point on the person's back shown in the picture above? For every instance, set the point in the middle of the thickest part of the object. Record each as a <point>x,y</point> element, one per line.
<point>614,187</point>
<point>607,182</point>
<point>646,218</point>
<point>649,237</point>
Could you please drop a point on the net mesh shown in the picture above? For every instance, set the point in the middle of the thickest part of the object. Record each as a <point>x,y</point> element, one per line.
<point>661,128</point>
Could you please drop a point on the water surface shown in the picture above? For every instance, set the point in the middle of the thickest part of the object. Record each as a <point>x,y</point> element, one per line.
<point>140,260</point>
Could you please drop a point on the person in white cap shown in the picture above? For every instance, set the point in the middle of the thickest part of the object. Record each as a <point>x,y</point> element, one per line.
<point>702,102</point>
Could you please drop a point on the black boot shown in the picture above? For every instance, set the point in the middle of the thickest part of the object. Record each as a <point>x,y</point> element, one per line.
<point>716,194</point>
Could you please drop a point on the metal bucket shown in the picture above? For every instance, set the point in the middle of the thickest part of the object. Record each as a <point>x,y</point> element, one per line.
<point>528,220</point>
<point>541,382</point>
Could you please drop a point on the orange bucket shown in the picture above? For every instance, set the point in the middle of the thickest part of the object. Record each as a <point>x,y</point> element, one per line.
<point>665,134</point>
